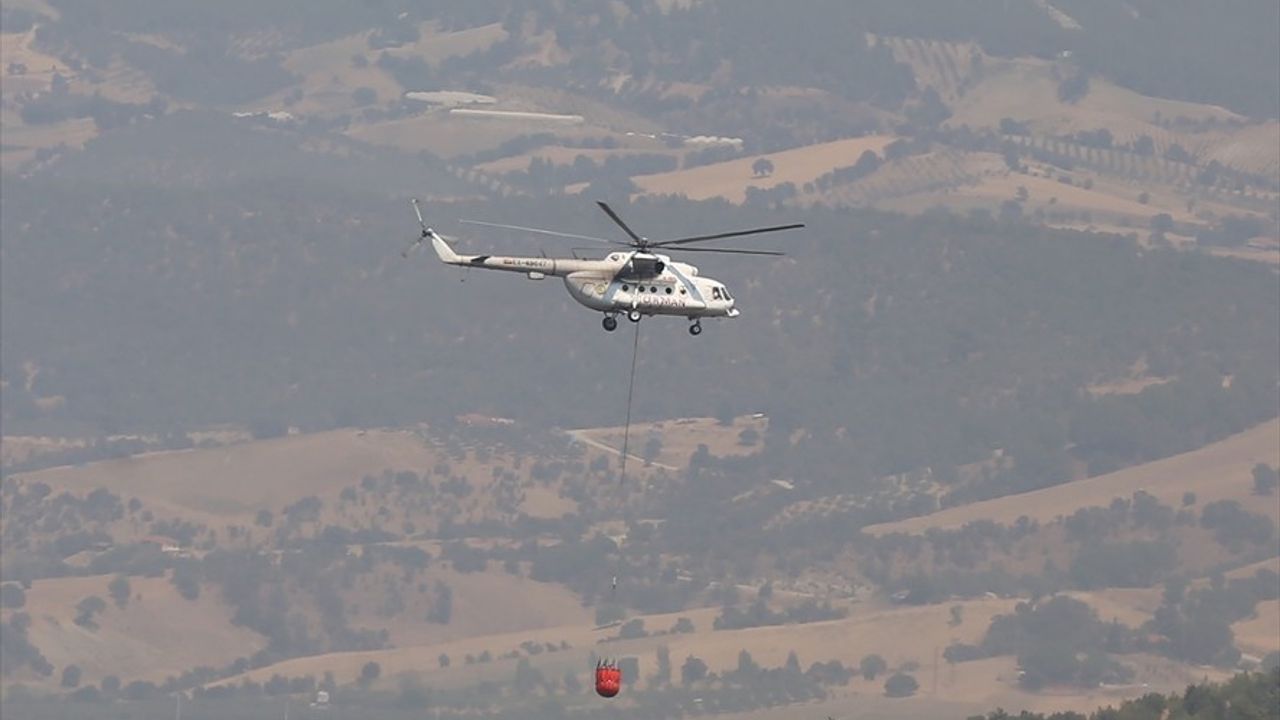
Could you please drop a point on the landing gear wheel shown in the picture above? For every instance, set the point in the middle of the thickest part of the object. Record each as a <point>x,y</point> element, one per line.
<point>633,315</point>
<point>695,328</point>
<point>610,323</point>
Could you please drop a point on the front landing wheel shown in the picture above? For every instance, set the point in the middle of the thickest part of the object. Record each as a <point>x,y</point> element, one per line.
<point>633,315</point>
<point>695,328</point>
<point>610,323</point>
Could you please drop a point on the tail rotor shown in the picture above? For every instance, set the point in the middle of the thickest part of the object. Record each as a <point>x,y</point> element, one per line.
<point>426,231</point>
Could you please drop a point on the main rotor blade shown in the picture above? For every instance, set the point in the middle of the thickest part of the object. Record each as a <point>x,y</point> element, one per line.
<point>614,217</point>
<point>731,251</point>
<point>540,231</point>
<point>717,236</point>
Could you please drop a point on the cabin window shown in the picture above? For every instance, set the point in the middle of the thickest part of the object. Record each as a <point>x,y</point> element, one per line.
<point>626,288</point>
<point>668,290</point>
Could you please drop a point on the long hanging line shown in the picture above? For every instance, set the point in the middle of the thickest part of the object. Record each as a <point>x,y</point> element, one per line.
<point>626,441</point>
<point>631,386</point>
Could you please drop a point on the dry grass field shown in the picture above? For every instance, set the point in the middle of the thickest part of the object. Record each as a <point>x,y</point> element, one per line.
<point>730,179</point>
<point>484,604</point>
<point>681,437</point>
<point>557,155</point>
<point>981,90</point>
<point>1270,256</point>
<point>449,136</point>
<point>1260,635</point>
<point>435,46</point>
<point>157,634</point>
<point>231,483</point>
<point>1215,472</point>
<point>330,71</point>
<point>899,634</point>
<point>967,689</point>
<point>1111,201</point>
<point>15,49</point>
<point>496,612</point>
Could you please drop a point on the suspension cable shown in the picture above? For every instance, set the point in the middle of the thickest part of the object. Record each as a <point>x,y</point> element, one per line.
<point>631,387</point>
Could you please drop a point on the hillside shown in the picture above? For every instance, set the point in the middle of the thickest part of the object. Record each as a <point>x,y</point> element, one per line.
<point>1215,472</point>
<point>730,179</point>
<point>504,615</point>
<point>998,429</point>
<point>230,484</point>
<point>156,635</point>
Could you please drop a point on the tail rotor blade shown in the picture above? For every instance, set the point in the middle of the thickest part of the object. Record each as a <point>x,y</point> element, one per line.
<point>416,211</point>
<point>426,231</point>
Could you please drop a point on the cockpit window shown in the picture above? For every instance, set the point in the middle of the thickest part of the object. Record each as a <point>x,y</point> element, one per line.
<point>715,293</point>
<point>725,291</point>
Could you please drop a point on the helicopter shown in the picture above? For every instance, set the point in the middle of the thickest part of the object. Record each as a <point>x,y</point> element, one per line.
<point>635,280</point>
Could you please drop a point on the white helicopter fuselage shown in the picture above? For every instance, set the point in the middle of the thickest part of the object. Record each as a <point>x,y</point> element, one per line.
<point>624,282</point>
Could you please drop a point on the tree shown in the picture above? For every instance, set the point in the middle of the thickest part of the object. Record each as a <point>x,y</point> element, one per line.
<point>442,607</point>
<point>929,111</point>
<point>119,590</point>
<point>762,167</point>
<point>632,629</point>
<point>608,613</point>
<point>369,673</point>
<point>1177,153</point>
<point>662,676</point>
<point>1010,211</point>
<point>572,684</point>
<point>652,448</point>
<point>900,685</point>
<point>1265,479</point>
<point>692,671</point>
<point>792,666</point>
<point>139,690</point>
<point>413,694</point>
<point>71,676</point>
<point>12,596</point>
<point>444,660</point>
<point>630,669</point>
<point>86,609</point>
<point>527,677</point>
<point>186,579</point>
<point>871,666</point>
<point>1073,87</point>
